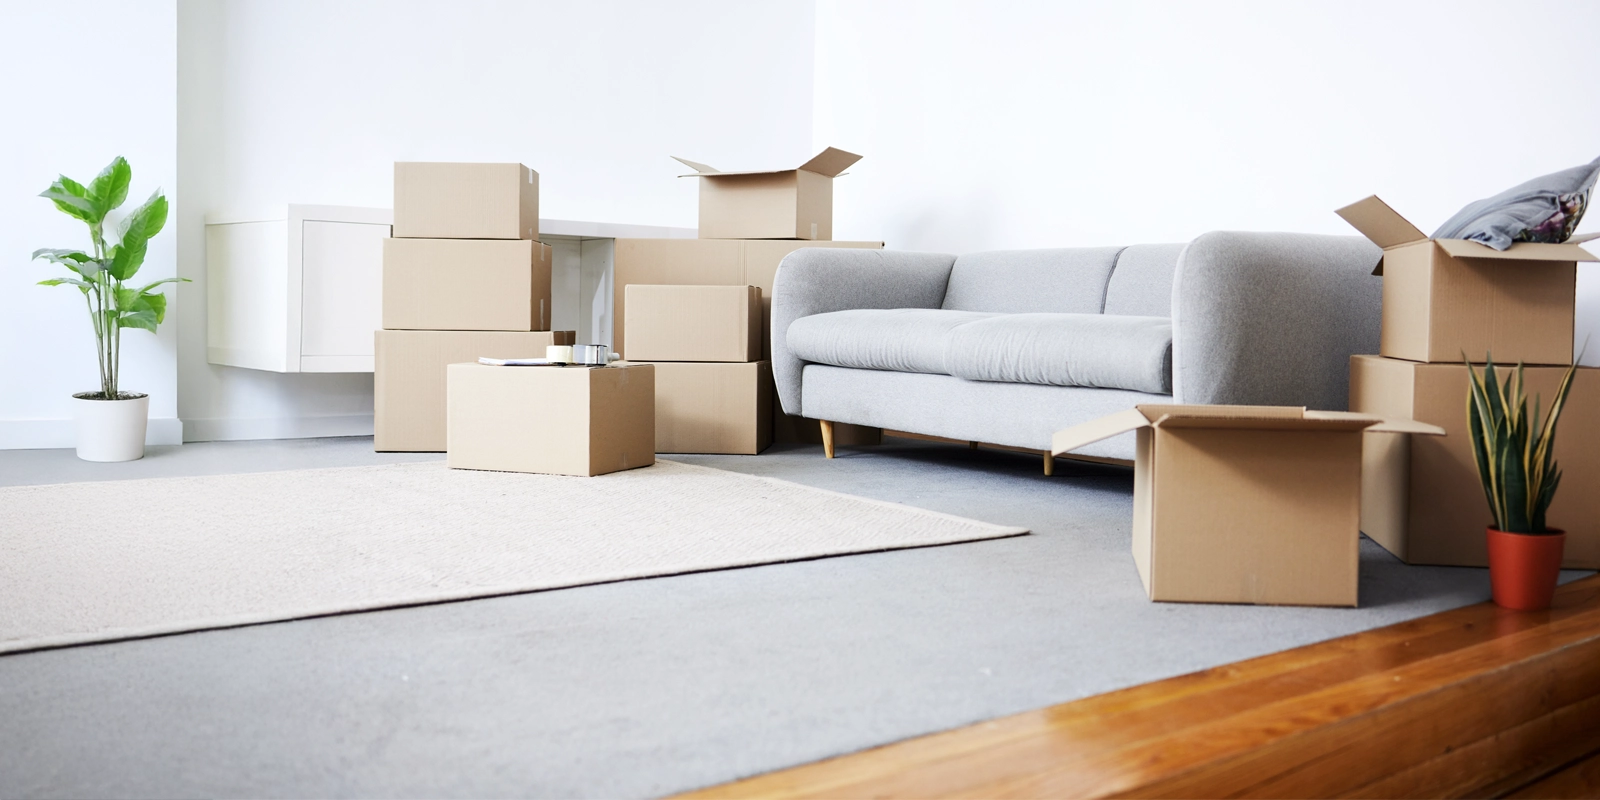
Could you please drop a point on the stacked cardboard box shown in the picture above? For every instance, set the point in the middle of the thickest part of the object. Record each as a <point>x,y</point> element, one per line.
<point>749,221</point>
<point>1446,301</point>
<point>464,276</point>
<point>713,390</point>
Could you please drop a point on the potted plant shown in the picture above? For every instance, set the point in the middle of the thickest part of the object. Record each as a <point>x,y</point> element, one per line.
<point>111,423</point>
<point>1515,451</point>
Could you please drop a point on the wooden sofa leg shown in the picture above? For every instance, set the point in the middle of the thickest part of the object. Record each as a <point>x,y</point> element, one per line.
<point>827,438</point>
<point>972,445</point>
<point>1049,464</point>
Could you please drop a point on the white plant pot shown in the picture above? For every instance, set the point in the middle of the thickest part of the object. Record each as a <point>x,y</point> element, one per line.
<point>111,430</point>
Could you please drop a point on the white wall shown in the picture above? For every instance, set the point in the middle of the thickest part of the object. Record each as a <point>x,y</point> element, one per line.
<point>311,102</point>
<point>1049,123</point>
<point>85,82</point>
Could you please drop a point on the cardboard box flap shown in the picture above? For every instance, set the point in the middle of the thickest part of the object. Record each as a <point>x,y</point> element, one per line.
<point>1381,224</point>
<point>1519,251</point>
<point>1088,433</point>
<point>699,169</point>
<point>1583,237</point>
<point>831,162</point>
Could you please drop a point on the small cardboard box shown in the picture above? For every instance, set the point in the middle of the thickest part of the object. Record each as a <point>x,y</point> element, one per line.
<point>770,204</point>
<point>694,323</point>
<point>554,420</point>
<point>1422,499</point>
<point>465,201</point>
<point>705,262</point>
<point>1443,298</point>
<point>409,374</point>
<point>713,407</point>
<point>1244,504</point>
<point>466,284</point>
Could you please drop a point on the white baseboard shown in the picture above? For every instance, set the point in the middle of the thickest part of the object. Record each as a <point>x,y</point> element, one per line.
<point>49,434</point>
<point>224,429</point>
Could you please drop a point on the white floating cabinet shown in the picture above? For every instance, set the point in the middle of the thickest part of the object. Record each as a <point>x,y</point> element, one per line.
<point>295,290</point>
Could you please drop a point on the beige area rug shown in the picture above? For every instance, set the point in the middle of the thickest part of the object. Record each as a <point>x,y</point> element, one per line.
<point>86,562</point>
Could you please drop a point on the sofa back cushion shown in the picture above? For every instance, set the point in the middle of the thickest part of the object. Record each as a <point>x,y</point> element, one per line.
<point>1141,284</point>
<point>1066,281</point>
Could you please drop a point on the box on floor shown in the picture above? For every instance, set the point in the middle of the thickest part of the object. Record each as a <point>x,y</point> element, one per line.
<point>408,379</point>
<point>771,204</point>
<point>1445,298</point>
<point>694,323</point>
<point>1244,504</point>
<point>1422,498</point>
<point>703,262</point>
<point>466,284</point>
<point>555,420</point>
<point>441,200</point>
<point>706,407</point>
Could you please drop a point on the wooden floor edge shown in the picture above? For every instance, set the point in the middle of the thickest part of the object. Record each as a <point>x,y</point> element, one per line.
<point>997,757</point>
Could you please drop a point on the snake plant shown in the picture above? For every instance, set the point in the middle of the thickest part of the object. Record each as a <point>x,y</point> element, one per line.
<point>1514,448</point>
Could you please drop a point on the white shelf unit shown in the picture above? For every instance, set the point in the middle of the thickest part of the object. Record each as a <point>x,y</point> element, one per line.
<point>300,289</point>
<point>296,289</point>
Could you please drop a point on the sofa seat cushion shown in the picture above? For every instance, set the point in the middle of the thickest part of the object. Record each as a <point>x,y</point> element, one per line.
<point>1110,352</point>
<point>899,339</point>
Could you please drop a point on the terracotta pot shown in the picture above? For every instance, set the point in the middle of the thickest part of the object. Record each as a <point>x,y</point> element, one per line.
<point>1523,568</point>
<point>111,430</point>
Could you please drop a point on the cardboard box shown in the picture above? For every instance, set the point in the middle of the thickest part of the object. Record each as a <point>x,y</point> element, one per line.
<point>1244,504</point>
<point>694,323</point>
<point>771,204</point>
<point>1422,499</point>
<point>704,262</point>
<point>465,201</point>
<point>409,379</point>
<point>713,407</point>
<point>466,284</point>
<point>554,420</point>
<point>1446,297</point>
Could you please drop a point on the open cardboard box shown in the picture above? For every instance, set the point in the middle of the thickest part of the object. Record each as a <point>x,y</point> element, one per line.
<point>794,203</point>
<point>1443,298</point>
<point>1244,504</point>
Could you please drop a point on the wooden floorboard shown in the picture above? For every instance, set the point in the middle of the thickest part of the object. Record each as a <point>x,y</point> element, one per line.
<point>1474,701</point>
<point>1579,779</point>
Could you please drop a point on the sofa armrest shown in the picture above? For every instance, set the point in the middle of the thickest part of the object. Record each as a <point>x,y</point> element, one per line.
<point>817,280</point>
<point>1272,318</point>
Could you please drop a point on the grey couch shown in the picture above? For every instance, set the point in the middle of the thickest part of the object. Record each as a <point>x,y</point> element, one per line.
<point>1006,348</point>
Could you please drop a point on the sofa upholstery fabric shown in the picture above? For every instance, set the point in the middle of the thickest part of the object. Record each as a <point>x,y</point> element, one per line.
<point>1065,281</point>
<point>900,339</point>
<point>1141,285</point>
<point>1097,350</point>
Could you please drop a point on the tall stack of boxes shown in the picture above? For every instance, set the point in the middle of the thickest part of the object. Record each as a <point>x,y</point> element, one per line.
<point>1446,301</point>
<point>749,221</point>
<point>464,276</point>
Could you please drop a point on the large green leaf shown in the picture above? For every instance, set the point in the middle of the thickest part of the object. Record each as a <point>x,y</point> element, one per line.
<point>126,299</point>
<point>73,205</point>
<point>147,220</point>
<point>153,284</point>
<point>154,303</point>
<point>58,281</point>
<point>139,319</point>
<point>110,187</point>
<point>61,256</point>
<point>126,258</point>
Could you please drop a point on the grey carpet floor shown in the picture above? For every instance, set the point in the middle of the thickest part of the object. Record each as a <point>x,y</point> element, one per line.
<point>653,686</point>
